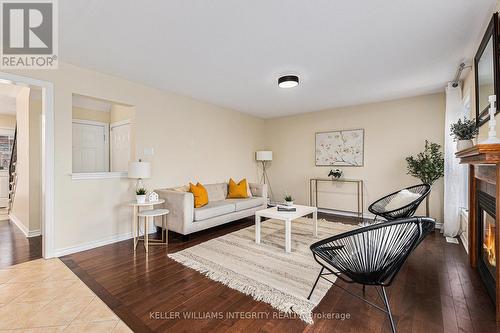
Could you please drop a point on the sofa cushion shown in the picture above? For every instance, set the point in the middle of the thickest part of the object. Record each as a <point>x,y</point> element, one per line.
<point>242,204</point>
<point>213,209</point>
<point>216,192</point>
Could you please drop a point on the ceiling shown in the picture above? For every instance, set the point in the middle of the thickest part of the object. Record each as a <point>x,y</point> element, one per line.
<point>231,53</point>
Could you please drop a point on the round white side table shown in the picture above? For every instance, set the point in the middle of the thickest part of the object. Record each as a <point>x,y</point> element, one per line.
<point>147,215</point>
<point>137,208</point>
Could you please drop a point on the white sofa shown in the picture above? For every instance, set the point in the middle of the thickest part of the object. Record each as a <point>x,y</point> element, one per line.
<point>185,219</point>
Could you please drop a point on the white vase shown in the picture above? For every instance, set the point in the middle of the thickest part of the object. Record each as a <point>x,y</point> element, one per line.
<point>289,203</point>
<point>464,144</point>
<point>140,198</point>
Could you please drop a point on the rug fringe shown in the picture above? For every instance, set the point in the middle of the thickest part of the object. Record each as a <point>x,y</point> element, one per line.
<point>275,298</point>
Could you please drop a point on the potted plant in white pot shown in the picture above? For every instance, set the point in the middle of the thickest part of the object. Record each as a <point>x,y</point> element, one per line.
<point>140,195</point>
<point>288,200</point>
<point>463,131</point>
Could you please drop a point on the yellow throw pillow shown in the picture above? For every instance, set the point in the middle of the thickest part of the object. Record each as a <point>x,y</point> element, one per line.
<point>200,194</point>
<point>237,190</point>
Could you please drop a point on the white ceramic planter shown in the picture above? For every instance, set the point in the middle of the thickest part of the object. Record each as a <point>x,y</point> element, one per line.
<point>464,144</point>
<point>289,203</point>
<point>141,198</point>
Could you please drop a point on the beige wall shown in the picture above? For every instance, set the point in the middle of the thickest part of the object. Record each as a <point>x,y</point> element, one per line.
<point>121,112</point>
<point>192,141</point>
<point>26,208</point>
<point>393,130</point>
<point>21,204</point>
<point>7,121</point>
<point>92,115</point>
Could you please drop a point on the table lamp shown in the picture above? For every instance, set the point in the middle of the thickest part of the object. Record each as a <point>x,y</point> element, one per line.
<point>139,170</point>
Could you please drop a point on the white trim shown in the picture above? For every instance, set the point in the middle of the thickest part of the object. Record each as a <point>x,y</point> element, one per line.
<point>366,215</point>
<point>91,245</point>
<point>47,157</point>
<point>34,233</point>
<point>22,227</point>
<point>99,175</point>
<point>439,225</point>
<point>119,123</point>
<point>465,242</point>
<point>7,131</point>
<point>90,122</point>
<point>19,224</point>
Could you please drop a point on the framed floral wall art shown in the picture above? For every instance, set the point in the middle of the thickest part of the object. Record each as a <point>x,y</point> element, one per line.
<point>340,148</point>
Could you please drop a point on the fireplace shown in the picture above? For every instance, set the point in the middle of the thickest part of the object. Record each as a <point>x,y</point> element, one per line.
<point>484,215</point>
<point>487,260</point>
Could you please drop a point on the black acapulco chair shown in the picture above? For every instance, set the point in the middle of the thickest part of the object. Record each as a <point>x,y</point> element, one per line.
<point>371,256</point>
<point>378,207</point>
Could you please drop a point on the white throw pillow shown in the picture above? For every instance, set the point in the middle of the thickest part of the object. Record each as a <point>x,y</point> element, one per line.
<point>403,198</point>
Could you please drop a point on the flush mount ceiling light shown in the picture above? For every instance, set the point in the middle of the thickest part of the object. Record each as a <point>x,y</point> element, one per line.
<point>288,81</point>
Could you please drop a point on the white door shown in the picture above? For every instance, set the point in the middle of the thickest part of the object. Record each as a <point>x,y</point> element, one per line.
<point>120,146</point>
<point>90,147</point>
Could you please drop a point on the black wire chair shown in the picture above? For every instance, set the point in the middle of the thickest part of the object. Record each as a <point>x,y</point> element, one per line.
<point>371,255</point>
<point>378,207</point>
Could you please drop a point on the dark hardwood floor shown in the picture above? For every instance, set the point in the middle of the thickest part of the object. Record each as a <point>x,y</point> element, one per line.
<point>436,291</point>
<point>15,248</point>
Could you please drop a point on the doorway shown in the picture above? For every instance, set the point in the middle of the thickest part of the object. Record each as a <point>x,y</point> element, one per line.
<point>40,125</point>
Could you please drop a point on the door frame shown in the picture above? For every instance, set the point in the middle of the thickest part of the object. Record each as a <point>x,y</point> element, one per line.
<point>106,141</point>
<point>47,152</point>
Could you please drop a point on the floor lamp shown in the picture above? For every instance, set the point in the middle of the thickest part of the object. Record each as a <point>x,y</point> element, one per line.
<point>265,156</point>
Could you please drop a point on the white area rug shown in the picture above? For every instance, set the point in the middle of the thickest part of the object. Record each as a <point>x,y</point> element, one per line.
<point>265,271</point>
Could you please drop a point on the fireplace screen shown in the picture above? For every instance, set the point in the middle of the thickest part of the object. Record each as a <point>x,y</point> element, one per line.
<point>488,252</point>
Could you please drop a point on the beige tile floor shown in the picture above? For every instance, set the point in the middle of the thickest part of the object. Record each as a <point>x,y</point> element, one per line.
<point>46,296</point>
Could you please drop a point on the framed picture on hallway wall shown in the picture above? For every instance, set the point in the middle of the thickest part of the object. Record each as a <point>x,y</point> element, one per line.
<point>340,148</point>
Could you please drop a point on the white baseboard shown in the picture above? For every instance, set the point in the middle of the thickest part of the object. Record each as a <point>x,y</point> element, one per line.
<point>465,242</point>
<point>344,213</point>
<point>439,225</point>
<point>26,232</point>
<point>19,224</point>
<point>91,245</point>
<point>35,233</point>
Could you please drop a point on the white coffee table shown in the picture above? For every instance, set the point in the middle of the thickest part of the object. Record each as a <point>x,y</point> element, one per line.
<point>273,213</point>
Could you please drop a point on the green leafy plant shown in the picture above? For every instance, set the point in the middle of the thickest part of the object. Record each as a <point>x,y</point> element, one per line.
<point>428,166</point>
<point>288,197</point>
<point>141,191</point>
<point>465,129</point>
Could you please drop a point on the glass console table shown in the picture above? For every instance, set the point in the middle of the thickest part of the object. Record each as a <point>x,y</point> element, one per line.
<point>313,191</point>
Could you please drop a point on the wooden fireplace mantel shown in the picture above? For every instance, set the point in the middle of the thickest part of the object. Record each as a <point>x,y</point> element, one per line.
<point>480,154</point>
<point>484,172</point>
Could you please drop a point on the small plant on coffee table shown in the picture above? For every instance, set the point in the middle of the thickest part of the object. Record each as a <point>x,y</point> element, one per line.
<point>288,200</point>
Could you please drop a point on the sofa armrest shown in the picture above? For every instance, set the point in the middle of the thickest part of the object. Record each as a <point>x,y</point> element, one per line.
<point>181,207</point>
<point>258,190</point>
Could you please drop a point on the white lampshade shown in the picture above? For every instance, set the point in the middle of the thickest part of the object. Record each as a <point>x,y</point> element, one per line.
<point>139,170</point>
<point>264,155</point>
